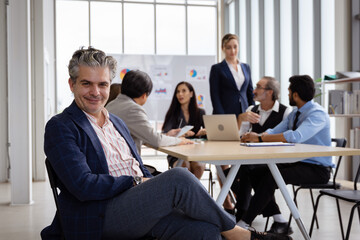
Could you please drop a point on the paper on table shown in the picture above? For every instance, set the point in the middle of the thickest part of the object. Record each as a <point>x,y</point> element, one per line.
<point>184,130</point>
<point>266,144</point>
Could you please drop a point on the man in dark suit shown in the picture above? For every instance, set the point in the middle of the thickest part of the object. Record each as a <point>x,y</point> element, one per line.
<point>106,192</point>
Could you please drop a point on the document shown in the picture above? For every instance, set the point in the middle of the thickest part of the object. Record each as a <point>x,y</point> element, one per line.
<point>184,130</point>
<point>266,144</point>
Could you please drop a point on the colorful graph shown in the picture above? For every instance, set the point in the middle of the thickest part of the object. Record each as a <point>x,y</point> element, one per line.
<point>160,91</point>
<point>193,73</point>
<point>200,101</point>
<point>123,72</point>
<point>160,74</point>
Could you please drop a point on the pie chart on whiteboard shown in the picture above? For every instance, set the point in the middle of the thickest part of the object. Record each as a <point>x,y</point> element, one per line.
<point>123,72</point>
<point>193,73</point>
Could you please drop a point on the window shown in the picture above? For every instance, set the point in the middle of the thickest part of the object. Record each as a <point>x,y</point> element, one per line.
<point>68,39</point>
<point>108,39</point>
<point>231,17</point>
<point>139,28</point>
<point>170,29</point>
<point>167,27</point>
<point>202,31</point>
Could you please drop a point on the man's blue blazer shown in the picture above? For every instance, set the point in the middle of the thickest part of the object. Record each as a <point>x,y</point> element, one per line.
<point>75,153</point>
<point>226,98</point>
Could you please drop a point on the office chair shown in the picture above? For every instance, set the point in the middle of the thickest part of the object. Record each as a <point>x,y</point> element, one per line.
<point>339,142</point>
<point>345,195</point>
<point>54,184</point>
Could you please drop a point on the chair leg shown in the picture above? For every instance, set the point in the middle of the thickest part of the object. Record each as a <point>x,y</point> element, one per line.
<point>350,220</point>
<point>340,219</point>
<point>266,224</point>
<point>295,192</point>
<point>211,183</point>
<point>313,204</point>
<point>314,214</point>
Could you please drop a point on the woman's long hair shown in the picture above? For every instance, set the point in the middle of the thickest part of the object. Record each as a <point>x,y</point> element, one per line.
<point>175,108</point>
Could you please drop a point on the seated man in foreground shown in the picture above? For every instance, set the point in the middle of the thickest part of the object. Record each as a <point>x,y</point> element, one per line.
<point>307,123</point>
<point>106,193</point>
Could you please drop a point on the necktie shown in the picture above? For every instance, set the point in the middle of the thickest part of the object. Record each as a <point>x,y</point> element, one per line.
<point>296,120</point>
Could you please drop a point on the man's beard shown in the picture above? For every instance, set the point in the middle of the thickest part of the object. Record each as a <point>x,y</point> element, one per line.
<point>291,101</point>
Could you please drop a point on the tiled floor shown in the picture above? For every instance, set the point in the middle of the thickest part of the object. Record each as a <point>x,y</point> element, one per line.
<point>26,222</point>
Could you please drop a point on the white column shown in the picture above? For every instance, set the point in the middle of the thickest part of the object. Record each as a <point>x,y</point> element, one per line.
<point>243,52</point>
<point>269,38</point>
<point>255,41</point>
<point>306,37</point>
<point>286,48</point>
<point>19,87</point>
<point>3,96</point>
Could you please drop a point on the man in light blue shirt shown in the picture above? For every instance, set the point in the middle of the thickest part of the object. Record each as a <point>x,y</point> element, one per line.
<point>307,123</point>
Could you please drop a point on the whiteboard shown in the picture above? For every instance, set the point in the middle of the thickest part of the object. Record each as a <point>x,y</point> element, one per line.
<point>165,72</point>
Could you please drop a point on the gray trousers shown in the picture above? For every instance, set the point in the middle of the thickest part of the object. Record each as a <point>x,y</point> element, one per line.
<point>173,205</point>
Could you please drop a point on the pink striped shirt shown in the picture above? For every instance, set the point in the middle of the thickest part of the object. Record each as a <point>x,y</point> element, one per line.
<point>117,152</point>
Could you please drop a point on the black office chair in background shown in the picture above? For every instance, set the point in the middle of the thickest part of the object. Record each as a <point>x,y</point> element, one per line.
<point>54,184</point>
<point>332,184</point>
<point>352,196</point>
<point>339,142</point>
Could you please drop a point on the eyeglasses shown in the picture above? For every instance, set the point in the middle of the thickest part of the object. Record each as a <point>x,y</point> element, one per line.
<point>259,87</point>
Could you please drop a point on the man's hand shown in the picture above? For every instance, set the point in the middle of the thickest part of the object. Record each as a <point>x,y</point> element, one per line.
<point>173,132</point>
<point>201,132</point>
<point>185,141</point>
<point>250,137</point>
<point>189,134</point>
<point>249,117</point>
<point>145,179</point>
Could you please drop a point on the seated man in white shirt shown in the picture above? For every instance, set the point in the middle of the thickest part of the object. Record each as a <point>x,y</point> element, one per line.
<point>258,118</point>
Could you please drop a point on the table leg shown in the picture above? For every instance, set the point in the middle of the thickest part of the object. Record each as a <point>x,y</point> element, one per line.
<point>289,201</point>
<point>179,163</point>
<point>227,184</point>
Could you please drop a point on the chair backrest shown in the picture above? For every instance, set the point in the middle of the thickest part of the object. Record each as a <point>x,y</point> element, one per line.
<point>340,142</point>
<point>54,183</point>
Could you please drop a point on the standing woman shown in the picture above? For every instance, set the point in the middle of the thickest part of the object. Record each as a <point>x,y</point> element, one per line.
<point>231,88</point>
<point>185,111</point>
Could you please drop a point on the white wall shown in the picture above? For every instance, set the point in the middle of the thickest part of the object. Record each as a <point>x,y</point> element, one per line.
<point>3,96</point>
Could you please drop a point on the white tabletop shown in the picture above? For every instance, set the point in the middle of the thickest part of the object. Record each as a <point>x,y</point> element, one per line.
<point>226,151</point>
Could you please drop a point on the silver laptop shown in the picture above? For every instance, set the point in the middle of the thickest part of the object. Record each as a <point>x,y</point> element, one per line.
<point>221,127</point>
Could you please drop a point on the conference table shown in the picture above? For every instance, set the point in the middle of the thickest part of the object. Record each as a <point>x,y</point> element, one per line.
<point>232,153</point>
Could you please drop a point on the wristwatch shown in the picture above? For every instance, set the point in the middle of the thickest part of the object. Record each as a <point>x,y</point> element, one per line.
<point>260,137</point>
<point>137,180</point>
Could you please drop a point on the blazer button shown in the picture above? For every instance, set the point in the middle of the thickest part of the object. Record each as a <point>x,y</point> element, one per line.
<point>101,215</point>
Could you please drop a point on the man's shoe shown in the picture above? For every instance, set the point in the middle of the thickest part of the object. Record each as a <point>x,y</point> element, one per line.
<point>267,236</point>
<point>239,214</point>
<point>280,228</point>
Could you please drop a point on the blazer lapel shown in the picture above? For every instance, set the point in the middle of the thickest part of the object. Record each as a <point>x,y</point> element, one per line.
<point>228,73</point>
<point>246,75</point>
<point>81,120</point>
